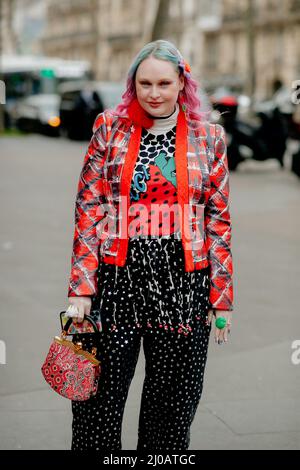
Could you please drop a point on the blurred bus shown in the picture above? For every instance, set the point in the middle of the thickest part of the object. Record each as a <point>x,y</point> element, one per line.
<point>31,75</point>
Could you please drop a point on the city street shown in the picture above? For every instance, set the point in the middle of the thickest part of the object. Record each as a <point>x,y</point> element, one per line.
<point>251,389</point>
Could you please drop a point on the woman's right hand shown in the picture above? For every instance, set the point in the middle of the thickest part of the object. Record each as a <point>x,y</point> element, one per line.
<point>83,306</point>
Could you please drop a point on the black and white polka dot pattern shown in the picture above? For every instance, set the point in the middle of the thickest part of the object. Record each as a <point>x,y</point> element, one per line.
<point>151,289</point>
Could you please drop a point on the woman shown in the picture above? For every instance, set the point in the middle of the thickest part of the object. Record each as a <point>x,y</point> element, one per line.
<point>152,250</point>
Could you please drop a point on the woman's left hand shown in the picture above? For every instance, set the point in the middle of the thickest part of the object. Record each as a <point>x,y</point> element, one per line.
<point>221,335</point>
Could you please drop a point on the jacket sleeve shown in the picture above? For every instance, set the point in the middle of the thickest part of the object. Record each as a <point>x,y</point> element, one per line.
<point>218,227</point>
<point>84,262</point>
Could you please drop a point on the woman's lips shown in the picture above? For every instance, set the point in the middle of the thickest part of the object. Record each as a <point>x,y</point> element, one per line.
<point>155,105</point>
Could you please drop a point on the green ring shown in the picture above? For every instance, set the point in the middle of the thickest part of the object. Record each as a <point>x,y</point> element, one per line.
<point>221,322</point>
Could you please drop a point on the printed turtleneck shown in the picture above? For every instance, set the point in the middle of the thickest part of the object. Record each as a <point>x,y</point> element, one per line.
<point>153,209</point>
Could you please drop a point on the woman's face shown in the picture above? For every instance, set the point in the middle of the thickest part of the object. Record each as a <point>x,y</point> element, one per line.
<point>157,86</point>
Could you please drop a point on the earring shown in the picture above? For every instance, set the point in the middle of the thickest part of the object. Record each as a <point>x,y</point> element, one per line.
<point>182,102</point>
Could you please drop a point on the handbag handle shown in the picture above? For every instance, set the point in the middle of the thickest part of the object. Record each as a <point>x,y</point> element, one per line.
<point>86,317</point>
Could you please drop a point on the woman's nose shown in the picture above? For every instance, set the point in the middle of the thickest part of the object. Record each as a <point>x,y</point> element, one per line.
<point>154,93</point>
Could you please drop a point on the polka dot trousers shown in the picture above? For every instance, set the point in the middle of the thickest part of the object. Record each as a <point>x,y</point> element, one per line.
<point>154,301</point>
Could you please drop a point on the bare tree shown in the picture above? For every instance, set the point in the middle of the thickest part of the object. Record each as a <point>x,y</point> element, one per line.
<point>250,18</point>
<point>160,19</point>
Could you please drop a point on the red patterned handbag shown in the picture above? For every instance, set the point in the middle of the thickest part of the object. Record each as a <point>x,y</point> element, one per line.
<point>69,369</point>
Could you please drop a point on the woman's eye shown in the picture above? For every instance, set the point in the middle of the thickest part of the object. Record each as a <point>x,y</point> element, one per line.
<point>145,84</point>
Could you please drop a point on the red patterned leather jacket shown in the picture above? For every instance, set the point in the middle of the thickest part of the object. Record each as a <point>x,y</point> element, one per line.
<point>101,211</point>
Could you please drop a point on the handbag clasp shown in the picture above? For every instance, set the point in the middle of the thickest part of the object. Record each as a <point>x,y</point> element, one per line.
<point>78,346</point>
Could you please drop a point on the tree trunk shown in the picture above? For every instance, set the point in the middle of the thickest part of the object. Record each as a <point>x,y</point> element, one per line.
<point>160,20</point>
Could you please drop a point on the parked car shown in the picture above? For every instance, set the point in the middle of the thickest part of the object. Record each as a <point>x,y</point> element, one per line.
<point>38,113</point>
<point>82,101</point>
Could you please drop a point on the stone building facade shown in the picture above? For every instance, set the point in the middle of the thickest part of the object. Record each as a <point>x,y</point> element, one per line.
<point>215,36</point>
<point>72,30</point>
<point>109,33</point>
<point>124,27</point>
<point>105,32</point>
<point>275,44</point>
